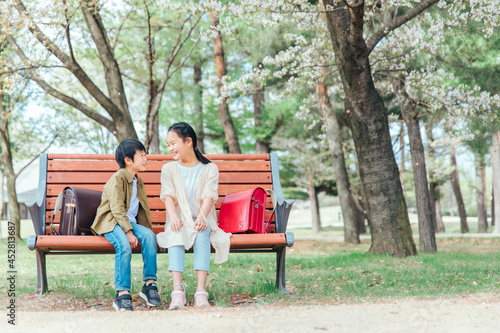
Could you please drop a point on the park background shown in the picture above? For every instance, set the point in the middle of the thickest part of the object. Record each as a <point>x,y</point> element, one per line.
<point>376,102</point>
<point>255,78</point>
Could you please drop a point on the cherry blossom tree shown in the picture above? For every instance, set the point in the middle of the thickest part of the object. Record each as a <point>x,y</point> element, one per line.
<point>61,45</point>
<point>360,31</point>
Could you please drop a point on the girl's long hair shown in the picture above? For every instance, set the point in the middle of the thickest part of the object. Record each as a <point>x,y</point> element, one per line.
<point>184,131</point>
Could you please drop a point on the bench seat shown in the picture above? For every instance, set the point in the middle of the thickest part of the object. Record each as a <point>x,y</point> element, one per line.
<point>83,244</point>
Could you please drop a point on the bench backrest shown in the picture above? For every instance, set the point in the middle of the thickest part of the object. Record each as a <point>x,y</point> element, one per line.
<point>92,171</point>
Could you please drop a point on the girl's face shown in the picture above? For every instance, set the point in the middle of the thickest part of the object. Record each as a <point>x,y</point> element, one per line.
<point>178,147</point>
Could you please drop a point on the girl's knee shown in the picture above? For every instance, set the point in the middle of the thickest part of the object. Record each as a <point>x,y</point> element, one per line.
<point>203,237</point>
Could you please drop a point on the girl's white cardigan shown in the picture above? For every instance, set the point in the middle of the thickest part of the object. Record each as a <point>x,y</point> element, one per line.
<point>171,185</point>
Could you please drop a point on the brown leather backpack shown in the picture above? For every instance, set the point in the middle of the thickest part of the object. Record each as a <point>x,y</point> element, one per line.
<point>79,207</point>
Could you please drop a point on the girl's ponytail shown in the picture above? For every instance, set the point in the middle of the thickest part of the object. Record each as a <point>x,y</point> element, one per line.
<point>184,131</point>
<point>200,156</point>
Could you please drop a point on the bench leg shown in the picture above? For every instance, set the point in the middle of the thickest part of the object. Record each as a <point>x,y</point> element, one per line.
<point>280,270</point>
<point>41,272</point>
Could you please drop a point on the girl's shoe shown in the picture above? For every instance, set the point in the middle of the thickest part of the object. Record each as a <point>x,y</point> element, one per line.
<point>201,298</point>
<point>178,299</point>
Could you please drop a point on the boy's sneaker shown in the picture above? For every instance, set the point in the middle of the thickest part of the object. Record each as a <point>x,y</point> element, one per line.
<point>123,302</point>
<point>150,294</point>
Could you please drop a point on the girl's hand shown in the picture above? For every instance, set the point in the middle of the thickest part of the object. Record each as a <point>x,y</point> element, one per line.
<point>200,224</point>
<point>176,224</point>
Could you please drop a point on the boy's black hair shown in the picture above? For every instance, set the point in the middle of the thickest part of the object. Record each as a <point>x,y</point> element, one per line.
<point>127,148</point>
<point>184,131</point>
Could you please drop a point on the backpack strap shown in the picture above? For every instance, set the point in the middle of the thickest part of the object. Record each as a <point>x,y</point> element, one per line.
<point>267,225</point>
<point>57,207</point>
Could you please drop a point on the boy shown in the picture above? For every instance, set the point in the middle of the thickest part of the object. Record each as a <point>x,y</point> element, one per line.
<point>123,217</point>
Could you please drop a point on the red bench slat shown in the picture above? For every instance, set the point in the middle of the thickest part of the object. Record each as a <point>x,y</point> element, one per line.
<point>101,244</point>
<point>153,166</point>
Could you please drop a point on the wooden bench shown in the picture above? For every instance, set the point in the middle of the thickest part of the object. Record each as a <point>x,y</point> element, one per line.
<point>237,173</point>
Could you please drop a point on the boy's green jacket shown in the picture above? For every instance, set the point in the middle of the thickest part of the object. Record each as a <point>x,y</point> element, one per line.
<point>115,202</point>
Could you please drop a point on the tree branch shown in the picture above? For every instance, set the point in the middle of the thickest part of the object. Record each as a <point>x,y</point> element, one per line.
<point>111,69</point>
<point>392,24</point>
<point>59,95</point>
<point>42,38</point>
<point>357,12</point>
<point>355,5</point>
<point>35,157</point>
<point>175,49</point>
<point>183,61</point>
<point>153,85</point>
<point>113,47</point>
<point>19,95</point>
<point>10,70</point>
<point>3,45</point>
<point>73,66</point>
<point>92,114</point>
<point>66,29</point>
<point>156,99</point>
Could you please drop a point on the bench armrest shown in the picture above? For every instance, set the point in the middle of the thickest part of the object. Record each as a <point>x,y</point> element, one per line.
<point>31,242</point>
<point>290,239</point>
<point>282,213</point>
<point>283,206</point>
<point>37,208</point>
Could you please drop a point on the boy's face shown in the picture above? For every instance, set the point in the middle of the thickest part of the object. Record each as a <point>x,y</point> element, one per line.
<point>139,162</point>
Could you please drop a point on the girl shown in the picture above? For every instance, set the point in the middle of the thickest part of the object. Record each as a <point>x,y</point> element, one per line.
<point>189,190</point>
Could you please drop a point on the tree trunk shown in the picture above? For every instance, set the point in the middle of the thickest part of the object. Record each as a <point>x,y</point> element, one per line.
<point>439,217</point>
<point>119,109</point>
<point>367,118</point>
<point>220,64</point>
<point>8,170</point>
<point>483,178</point>
<point>455,183</point>
<point>436,207</point>
<point>360,203</point>
<point>360,218</point>
<point>154,148</point>
<point>482,223</point>
<point>492,207</point>
<point>427,239</point>
<point>14,213</point>
<point>198,107</point>
<point>262,146</point>
<point>316,219</point>
<point>434,195</point>
<point>1,198</point>
<point>402,152</point>
<point>351,234</point>
<point>495,163</point>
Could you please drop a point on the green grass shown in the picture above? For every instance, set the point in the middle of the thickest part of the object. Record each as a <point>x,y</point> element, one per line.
<point>326,271</point>
<point>352,276</point>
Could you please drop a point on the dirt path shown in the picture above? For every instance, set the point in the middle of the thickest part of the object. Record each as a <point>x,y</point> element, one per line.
<point>463,314</point>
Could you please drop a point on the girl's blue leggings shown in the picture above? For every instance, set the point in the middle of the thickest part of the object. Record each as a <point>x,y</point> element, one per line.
<point>201,249</point>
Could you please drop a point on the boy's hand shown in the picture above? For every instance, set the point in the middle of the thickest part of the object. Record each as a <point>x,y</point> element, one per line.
<point>200,224</point>
<point>176,224</point>
<point>132,239</point>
